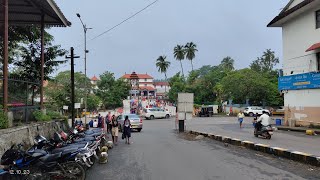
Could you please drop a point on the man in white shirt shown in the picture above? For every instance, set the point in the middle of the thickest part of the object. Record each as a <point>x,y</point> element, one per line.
<point>264,119</point>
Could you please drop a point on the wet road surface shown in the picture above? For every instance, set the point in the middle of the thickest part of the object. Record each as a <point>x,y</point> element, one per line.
<point>159,153</point>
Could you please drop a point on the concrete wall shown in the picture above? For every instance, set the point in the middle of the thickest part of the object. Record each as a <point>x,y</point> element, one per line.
<point>26,134</point>
<point>298,35</point>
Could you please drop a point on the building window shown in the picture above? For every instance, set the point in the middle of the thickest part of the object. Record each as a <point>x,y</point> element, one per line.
<point>161,86</point>
<point>145,80</point>
<point>317,19</point>
<point>145,85</point>
<point>318,61</point>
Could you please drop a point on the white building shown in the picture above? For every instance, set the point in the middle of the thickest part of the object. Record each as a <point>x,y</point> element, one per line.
<point>300,23</point>
<point>94,81</point>
<point>162,88</point>
<point>146,87</point>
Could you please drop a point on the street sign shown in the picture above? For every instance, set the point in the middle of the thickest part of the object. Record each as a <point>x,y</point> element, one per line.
<point>77,105</point>
<point>65,107</point>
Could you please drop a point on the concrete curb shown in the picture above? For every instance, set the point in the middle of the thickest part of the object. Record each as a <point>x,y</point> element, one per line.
<point>277,151</point>
<point>297,129</point>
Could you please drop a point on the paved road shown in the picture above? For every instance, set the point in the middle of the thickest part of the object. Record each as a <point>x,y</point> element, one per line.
<point>228,126</point>
<point>159,153</point>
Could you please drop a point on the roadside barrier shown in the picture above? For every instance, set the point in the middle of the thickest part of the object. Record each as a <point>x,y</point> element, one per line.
<point>277,151</point>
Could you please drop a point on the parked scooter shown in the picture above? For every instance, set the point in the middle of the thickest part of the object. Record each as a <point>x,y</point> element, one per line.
<point>265,131</point>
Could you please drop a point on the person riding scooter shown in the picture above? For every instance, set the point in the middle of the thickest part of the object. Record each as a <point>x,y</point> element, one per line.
<point>264,119</point>
<point>263,127</point>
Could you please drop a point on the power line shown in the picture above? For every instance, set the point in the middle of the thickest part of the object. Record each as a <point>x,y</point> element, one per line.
<point>124,20</point>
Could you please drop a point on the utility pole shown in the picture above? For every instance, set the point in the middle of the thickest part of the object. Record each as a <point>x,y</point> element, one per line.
<point>72,84</point>
<point>85,29</point>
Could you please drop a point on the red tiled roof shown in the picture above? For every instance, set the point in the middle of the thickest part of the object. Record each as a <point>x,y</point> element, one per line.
<point>161,83</point>
<point>141,76</point>
<point>313,47</point>
<point>94,78</point>
<point>146,88</point>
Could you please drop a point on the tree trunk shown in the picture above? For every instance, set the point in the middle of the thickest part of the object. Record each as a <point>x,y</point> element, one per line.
<point>191,65</point>
<point>182,68</point>
<point>165,87</point>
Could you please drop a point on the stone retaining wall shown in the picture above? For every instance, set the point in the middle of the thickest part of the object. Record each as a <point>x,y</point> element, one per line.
<point>25,134</point>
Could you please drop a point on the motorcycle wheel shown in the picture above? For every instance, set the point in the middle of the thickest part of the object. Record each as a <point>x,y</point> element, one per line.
<point>74,171</point>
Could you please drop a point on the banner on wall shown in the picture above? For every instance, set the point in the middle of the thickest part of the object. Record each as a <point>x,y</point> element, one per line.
<point>299,81</point>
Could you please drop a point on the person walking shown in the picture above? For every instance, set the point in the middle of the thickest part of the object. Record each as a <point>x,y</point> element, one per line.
<point>115,130</point>
<point>127,129</point>
<point>240,118</point>
<point>99,121</point>
<point>108,122</point>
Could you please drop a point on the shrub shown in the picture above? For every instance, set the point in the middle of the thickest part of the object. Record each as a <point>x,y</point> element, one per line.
<point>40,116</point>
<point>4,123</point>
<point>54,114</point>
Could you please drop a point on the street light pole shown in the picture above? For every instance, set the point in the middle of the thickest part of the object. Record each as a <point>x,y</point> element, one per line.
<point>85,28</point>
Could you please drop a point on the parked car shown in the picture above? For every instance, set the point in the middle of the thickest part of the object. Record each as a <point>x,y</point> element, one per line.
<point>152,113</point>
<point>250,111</point>
<point>136,121</point>
<point>279,111</point>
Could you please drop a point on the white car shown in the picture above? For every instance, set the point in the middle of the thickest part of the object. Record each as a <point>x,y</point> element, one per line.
<point>252,110</point>
<point>153,113</point>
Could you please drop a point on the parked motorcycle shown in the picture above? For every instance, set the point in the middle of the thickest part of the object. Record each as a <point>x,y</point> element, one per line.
<point>81,153</point>
<point>40,165</point>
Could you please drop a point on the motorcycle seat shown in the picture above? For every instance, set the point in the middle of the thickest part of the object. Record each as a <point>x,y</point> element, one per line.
<point>50,157</point>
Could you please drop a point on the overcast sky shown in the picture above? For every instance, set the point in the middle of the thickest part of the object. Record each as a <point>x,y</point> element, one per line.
<point>235,28</point>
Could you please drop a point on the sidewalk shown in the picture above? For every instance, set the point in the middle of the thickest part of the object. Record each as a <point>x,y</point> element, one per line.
<point>298,129</point>
<point>228,126</point>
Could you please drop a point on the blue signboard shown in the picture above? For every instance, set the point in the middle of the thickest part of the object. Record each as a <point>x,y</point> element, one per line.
<point>299,81</point>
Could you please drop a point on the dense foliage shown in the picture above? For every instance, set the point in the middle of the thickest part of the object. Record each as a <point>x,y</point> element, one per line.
<point>112,91</point>
<point>215,84</point>
<point>58,91</point>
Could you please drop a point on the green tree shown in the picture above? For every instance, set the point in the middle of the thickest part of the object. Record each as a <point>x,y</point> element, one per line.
<point>93,102</point>
<point>179,55</point>
<point>112,91</point>
<point>177,85</point>
<point>266,62</point>
<point>29,61</point>
<point>248,84</point>
<point>227,64</point>
<point>58,91</point>
<point>163,66</point>
<point>190,49</point>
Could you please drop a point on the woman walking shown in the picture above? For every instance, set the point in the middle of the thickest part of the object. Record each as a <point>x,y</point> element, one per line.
<point>240,118</point>
<point>115,130</point>
<point>127,129</point>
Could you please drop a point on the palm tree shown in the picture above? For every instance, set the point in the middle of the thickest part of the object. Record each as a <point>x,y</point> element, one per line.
<point>163,66</point>
<point>227,64</point>
<point>179,54</point>
<point>191,49</point>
